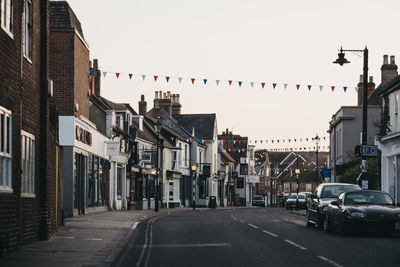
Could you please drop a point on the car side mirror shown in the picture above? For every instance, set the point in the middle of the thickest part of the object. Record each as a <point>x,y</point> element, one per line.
<point>313,196</point>
<point>335,203</point>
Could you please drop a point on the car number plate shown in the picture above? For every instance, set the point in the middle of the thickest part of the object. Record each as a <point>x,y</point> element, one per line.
<point>397,226</point>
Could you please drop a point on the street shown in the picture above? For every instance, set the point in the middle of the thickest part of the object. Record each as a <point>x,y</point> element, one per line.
<point>250,237</point>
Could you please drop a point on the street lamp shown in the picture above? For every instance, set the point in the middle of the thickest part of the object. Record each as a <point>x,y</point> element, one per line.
<point>342,60</point>
<point>194,168</point>
<point>157,126</point>
<point>297,171</point>
<point>316,139</point>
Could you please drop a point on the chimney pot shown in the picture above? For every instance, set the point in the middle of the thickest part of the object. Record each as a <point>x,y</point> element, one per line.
<point>95,64</point>
<point>361,78</point>
<point>169,94</point>
<point>156,95</point>
<point>392,60</point>
<point>165,95</point>
<point>385,59</point>
<point>142,98</point>
<point>177,98</point>
<point>371,79</point>
<point>160,94</point>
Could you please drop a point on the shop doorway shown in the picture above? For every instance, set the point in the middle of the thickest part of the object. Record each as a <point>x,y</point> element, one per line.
<point>79,182</point>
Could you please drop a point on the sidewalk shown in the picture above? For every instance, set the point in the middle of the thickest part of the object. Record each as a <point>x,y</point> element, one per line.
<point>88,240</point>
<point>95,239</point>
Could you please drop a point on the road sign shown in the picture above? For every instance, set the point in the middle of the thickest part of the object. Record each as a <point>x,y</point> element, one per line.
<point>366,151</point>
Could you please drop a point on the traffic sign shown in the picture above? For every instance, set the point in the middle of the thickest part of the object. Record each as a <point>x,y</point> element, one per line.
<point>366,151</point>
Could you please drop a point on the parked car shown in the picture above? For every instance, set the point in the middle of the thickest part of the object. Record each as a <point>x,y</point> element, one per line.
<point>291,202</point>
<point>325,194</point>
<point>258,201</point>
<point>362,211</point>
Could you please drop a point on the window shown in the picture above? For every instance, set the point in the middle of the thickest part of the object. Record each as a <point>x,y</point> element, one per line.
<point>28,21</point>
<point>119,181</point>
<point>5,150</point>
<point>27,164</point>
<point>7,16</point>
<point>186,155</point>
<point>173,160</point>
<point>396,114</point>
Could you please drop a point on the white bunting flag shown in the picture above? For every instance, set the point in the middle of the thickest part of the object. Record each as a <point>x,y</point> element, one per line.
<point>252,84</point>
<point>143,77</point>
<point>104,74</point>
<point>217,82</point>
<point>180,79</point>
<point>320,87</point>
<point>285,85</point>
<point>356,89</point>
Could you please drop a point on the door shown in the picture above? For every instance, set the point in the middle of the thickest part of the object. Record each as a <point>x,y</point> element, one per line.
<point>80,181</point>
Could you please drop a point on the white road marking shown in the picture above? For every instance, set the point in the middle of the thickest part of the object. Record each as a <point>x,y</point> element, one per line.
<point>252,225</point>
<point>242,221</point>
<point>133,227</point>
<point>276,220</point>
<point>233,217</point>
<point>295,244</point>
<point>65,237</point>
<point>93,239</point>
<point>194,245</point>
<point>269,233</point>
<point>329,261</point>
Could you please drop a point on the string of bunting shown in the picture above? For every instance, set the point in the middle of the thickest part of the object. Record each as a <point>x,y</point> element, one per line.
<point>278,149</point>
<point>239,83</point>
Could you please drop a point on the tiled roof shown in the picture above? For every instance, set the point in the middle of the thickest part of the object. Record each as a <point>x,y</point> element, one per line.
<point>62,17</point>
<point>203,124</point>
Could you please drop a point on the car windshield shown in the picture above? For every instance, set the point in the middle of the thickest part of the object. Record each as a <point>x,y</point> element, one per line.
<point>368,198</point>
<point>333,191</point>
<point>258,198</point>
<point>301,196</point>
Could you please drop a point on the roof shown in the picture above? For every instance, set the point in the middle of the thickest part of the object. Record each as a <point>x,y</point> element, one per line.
<point>116,106</point>
<point>203,124</point>
<point>63,17</point>
<point>226,157</point>
<point>390,86</point>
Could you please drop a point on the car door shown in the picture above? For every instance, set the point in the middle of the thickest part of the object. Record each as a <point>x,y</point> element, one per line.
<point>314,204</point>
<point>336,211</point>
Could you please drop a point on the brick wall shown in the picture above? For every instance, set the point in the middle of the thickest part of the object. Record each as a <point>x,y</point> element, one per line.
<point>81,80</point>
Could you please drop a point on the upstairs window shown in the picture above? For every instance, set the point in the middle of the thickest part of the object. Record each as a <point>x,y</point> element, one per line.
<point>7,16</point>
<point>28,21</point>
<point>5,149</point>
<point>27,164</point>
<point>396,114</point>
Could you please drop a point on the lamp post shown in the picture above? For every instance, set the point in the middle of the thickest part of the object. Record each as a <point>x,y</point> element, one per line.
<point>158,126</point>
<point>316,140</point>
<point>194,168</point>
<point>297,171</point>
<point>342,60</point>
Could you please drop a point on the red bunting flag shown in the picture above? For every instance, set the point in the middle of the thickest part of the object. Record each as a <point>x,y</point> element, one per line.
<point>117,74</point>
<point>369,90</point>
<point>193,80</point>
<point>324,137</point>
<point>230,82</point>
<point>298,86</point>
<point>333,88</point>
<point>289,140</point>
<point>262,84</point>
<point>155,78</point>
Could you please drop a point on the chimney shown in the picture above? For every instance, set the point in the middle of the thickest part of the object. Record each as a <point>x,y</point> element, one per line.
<point>97,76</point>
<point>370,89</point>
<point>163,102</point>
<point>143,106</point>
<point>389,71</point>
<point>176,106</point>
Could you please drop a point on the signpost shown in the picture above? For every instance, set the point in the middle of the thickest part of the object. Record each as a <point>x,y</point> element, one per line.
<point>366,151</point>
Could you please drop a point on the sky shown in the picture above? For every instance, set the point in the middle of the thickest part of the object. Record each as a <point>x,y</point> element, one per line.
<point>286,41</point>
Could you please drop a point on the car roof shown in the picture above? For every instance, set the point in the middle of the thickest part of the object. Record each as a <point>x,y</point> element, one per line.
<point>324,184</point>
<point>369,190</point>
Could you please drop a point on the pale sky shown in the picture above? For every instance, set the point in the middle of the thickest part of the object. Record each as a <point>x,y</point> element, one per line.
<point>284,41</point>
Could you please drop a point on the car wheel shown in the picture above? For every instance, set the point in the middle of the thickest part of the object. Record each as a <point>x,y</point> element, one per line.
<point>309,224</point>
<point>327,226</point>
<point>342,227</point>
<point>320,222</point>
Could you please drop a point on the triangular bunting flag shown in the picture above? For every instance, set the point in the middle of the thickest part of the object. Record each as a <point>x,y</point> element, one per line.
<point>117,74</point>
<point>357,89</point>
<point>193,79</point>
<point>285,85</point>
<point>345,88</point>
<point>240,83</point>
<point>274,85</point>
<point>205,81</point>
<point>167,78</point>
<point>143,77</point>
<point>104,74</point>
<point>91,72</point>
<point>130,76</point>
<point>180,79</point>
<point>320,87</point>
<point>309,87</point>
<point>251,84</point>
<point>298,86</point>
<point>155,77</point>
<point>262,85</point>
<point>369,90</point>
<point>217,82</point>
<point>230,82</point>
<point>333,88</point>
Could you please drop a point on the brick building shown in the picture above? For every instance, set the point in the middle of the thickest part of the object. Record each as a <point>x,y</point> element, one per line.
<point>30,196</point>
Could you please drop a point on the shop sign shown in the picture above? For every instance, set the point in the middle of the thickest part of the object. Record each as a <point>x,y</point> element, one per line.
<point>83,136</point>
<point>254,179</point>
<point>113,148</point>
<point>134,169</point>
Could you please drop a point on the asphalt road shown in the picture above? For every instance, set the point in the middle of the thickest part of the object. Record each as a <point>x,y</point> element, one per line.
<point>251,237</point>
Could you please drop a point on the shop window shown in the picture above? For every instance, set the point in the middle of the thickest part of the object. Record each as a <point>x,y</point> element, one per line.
<point>27,164</point>
<point>119,182</point>
<point>202,185</point>
<point>5,150</point>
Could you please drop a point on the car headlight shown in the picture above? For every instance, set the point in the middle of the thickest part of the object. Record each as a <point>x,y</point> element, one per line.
<point>357,214</point>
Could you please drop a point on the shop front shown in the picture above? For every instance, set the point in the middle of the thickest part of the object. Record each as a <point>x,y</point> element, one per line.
<point>145,185</point>
<point>173,189</point>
